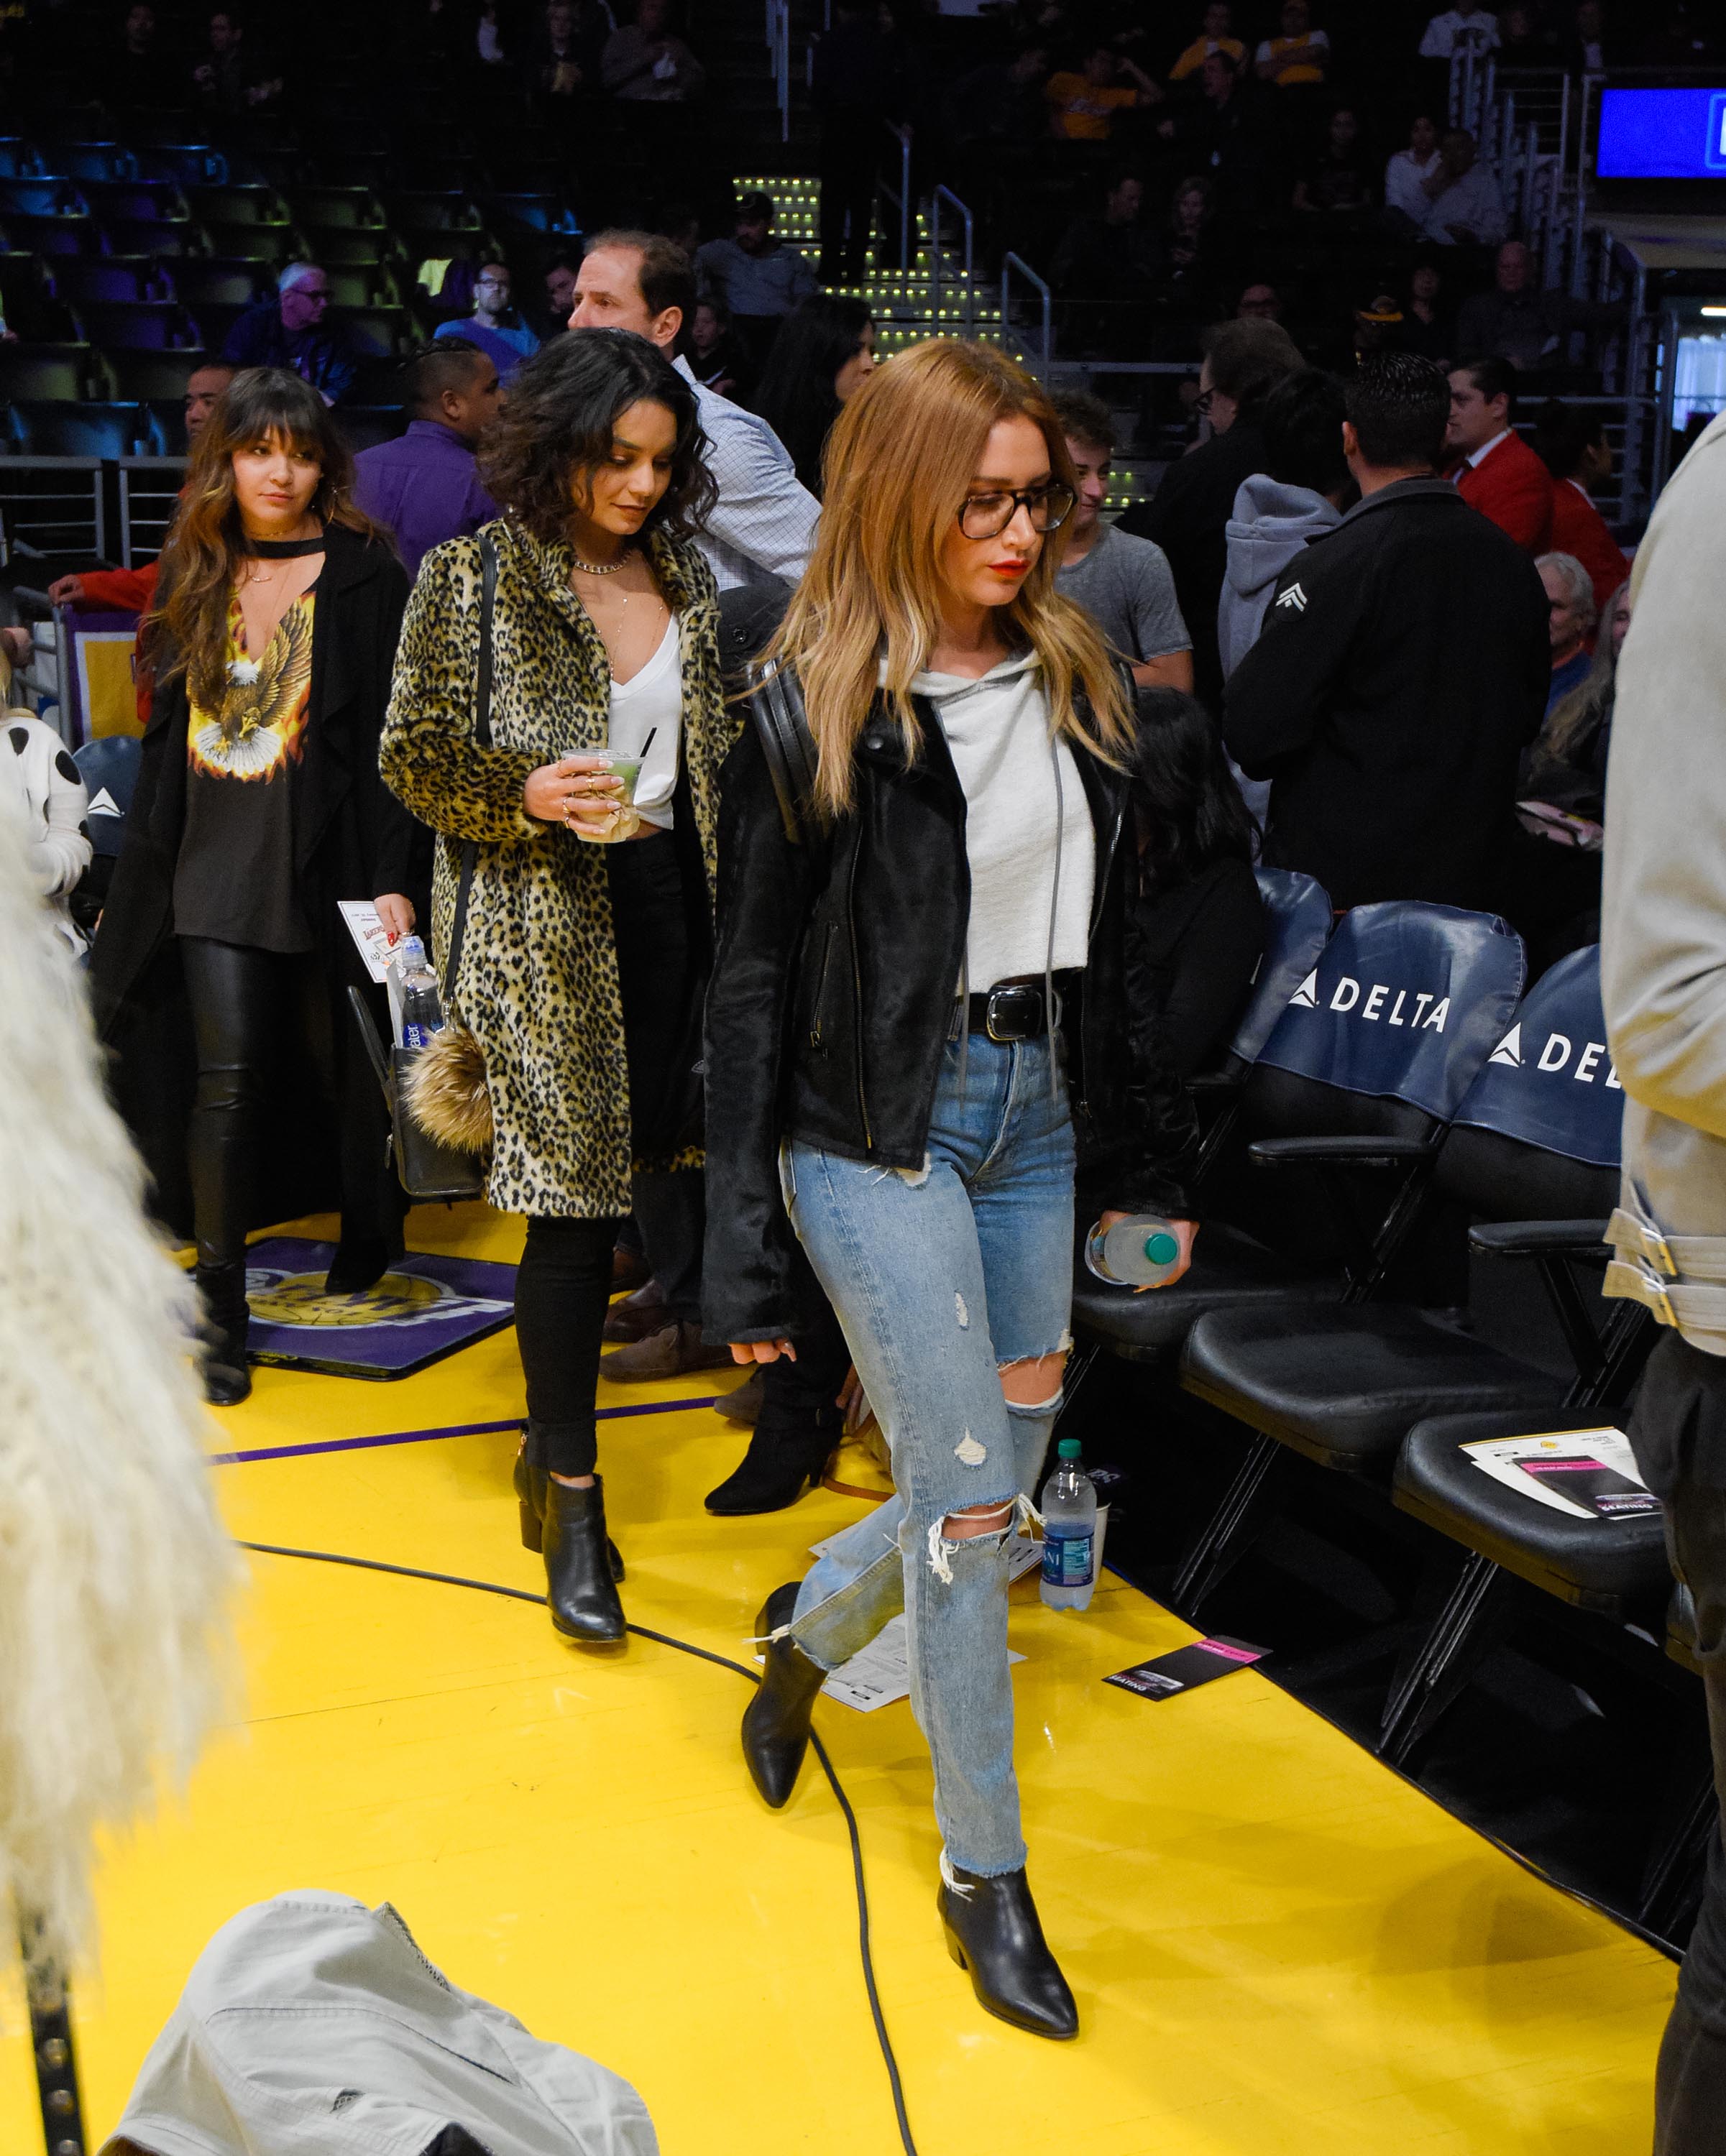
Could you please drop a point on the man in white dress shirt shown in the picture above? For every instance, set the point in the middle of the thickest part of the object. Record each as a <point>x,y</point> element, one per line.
<point>764,521</point>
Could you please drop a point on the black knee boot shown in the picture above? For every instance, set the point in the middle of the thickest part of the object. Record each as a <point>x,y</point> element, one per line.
<point>227,1374</point>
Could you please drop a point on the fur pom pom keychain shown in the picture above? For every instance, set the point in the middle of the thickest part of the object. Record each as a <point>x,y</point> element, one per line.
<point>446,1092</point>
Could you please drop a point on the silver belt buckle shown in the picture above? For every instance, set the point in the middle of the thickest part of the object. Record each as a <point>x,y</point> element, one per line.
<point>1018,993</point>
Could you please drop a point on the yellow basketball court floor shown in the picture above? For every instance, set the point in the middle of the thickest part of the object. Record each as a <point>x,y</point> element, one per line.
<point>1279,1948</point>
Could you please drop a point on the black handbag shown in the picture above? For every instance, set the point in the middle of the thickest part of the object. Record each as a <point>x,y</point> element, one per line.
<point>430,1169</point>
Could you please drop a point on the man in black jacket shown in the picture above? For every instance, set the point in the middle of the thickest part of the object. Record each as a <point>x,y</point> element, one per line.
<point>1244,361</point>
<point>1402,670</point>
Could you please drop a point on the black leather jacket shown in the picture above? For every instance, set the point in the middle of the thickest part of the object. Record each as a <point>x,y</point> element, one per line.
<point>832,994</point>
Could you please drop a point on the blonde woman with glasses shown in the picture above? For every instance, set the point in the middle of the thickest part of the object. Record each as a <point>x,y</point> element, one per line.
<point>918,1014</point>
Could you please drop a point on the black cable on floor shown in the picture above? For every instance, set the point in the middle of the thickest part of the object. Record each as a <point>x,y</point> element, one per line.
<point>703,1655</point>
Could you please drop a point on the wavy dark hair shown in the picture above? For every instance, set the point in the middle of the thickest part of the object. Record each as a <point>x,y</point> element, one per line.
<point>1188,808</point>
<point>185,632</point>
<point>555,425</point>
<point>796,396</point>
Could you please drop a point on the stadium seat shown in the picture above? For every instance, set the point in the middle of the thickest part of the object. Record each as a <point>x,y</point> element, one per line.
<point>377,332</point>
<point>218,282</point>
<point>336,209</point>
<point>150,376</point>
<point>126,235</point>
<point>80,430</point>
<point>364,426</point>
<point>1333,1090</point>
<point>95,161</point>
<point>109,768</point>
<point>34,309</point>
<point>365,285</point>
<point>102,279</point>
<point>236,204</point>
<point>46,196</point>
<point>1532,1150</point>
<point>44,372</point>
<point>358,250</point>
<point>431,209</point>
<point>187,164</point>
<point>528,215</point>
<point>269,244</point>
<point>72,234</point>
<point>139,325</point>
<point>214,320</point>
<point>136,202</point>
<point>18,160</point>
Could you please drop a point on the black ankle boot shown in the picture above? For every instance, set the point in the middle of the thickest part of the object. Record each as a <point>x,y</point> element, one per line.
<point>227,1373</point>
<point>776,1722</point>
<point>992,1929</point>
<point>580,1591</point>
<point>360,1262</point>
<point>785,1459</point>
<point>530,1496</point>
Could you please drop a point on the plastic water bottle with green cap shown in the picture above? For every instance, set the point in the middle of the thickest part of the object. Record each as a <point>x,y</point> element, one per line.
<point>1069,1509</point>
<point>1142,1250</point>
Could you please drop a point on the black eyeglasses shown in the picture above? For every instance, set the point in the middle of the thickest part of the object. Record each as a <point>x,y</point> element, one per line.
<point>987,516</point>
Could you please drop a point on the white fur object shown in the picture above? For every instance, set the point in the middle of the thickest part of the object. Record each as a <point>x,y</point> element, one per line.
<point>115,1572</point>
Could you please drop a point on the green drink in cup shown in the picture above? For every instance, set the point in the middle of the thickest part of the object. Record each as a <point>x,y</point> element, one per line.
<point>624,767</point>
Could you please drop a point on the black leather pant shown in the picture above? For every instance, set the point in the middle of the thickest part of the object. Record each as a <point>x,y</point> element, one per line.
<point>1679,1433</point>
<point>247,1005</point>
<point>564,1281</point>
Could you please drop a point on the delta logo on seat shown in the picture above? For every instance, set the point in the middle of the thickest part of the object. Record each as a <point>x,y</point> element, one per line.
<point>1346,996</point>
<point>1555,1058</point>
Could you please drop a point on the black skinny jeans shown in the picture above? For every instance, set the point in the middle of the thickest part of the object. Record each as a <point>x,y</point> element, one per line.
<point>247,1005</point>
<point>1679,1433</point>
<point>564,1282</point>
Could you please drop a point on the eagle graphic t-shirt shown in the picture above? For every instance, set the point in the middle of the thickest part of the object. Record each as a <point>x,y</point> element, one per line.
<point>235,879</point>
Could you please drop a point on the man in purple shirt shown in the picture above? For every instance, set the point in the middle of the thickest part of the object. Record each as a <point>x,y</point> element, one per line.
<point>424,485</point>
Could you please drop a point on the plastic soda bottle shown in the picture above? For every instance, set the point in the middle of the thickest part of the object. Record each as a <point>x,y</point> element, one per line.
<point>1069,1531</point>
<point>421,1006</point>
<point>1141,1251</point>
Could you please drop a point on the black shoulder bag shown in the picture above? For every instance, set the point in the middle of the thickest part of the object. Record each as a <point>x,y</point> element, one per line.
<point>782,725</point>
<point>440,1110</point>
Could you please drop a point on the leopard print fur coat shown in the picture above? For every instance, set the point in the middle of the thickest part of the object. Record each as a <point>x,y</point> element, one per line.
<point>538,985</point>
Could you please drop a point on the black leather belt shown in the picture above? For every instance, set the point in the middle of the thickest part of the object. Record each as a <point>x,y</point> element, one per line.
<point>1011,1010</point>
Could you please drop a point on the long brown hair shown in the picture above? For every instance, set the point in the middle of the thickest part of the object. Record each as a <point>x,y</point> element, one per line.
<point>201,560</point>
<point>899,461</point>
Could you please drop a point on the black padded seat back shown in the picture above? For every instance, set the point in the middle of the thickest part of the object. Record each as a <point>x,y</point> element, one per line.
<point>1385,1032</point>
<point>1536,1136</point>
<point>1280,1104</point>
<point>1297,925</point>
<point>1497,1178</point>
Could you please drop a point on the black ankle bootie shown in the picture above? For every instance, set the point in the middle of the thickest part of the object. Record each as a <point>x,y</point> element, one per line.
<point>227,1373</point>
<point>530,1496</point>
<point>783,1461</point>
<point>776,1722</point>
<point>360,1262</point>
<point>993,1930</point>
<point>581,1585</point>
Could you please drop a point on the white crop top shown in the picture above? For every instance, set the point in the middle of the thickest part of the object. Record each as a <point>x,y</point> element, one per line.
<point>651,702</point>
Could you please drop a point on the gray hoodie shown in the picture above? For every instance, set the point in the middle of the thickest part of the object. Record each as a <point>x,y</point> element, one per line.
<point>1663,952</point>
<point>1272,524</point>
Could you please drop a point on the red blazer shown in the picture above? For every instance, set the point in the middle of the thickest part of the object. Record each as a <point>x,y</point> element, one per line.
<point>1512,486</point>
<point>1579,528</point>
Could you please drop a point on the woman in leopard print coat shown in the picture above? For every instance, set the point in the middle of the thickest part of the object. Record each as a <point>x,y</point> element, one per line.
<point>582,964</point>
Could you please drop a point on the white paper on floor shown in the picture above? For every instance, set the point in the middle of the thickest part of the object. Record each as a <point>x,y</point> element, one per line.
<point>881,1672</point>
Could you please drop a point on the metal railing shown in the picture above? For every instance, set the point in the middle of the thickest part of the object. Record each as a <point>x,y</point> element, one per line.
<point>1010,263</point>
<point>149,495</point>
<point>937,260</point>
<point>778,38</point>
<point>54,508</point>
<point>1471,99</point>
<point>900,199</point>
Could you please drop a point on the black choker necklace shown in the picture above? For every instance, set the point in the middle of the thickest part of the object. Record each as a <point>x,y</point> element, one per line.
<point>284,550</point>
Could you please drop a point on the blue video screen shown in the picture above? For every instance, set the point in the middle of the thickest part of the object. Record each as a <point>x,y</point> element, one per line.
<point>1662,135</point>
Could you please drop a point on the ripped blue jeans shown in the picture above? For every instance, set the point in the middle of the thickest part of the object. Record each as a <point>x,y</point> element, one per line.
<point>940,1279</point>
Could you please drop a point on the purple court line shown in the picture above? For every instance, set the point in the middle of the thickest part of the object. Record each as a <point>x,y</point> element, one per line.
<point>422,1436</point>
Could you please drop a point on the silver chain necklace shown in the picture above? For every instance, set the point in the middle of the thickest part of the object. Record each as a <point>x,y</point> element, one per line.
<point>598,568</point>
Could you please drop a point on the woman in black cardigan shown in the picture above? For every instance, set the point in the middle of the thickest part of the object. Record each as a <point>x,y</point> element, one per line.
<point>258,806</point>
